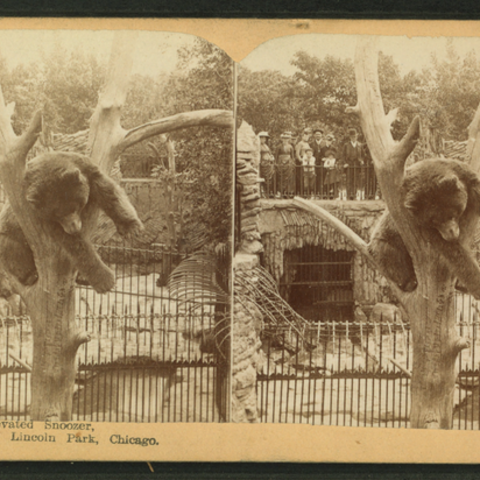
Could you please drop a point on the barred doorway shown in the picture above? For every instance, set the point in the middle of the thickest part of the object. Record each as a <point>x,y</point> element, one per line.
<point>318,283</point>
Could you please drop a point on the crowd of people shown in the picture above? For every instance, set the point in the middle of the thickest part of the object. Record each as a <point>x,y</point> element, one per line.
<point>317,166</point>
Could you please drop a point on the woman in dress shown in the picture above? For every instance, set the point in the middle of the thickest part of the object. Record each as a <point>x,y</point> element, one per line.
<point>267,165</point>
<point>285,158</point>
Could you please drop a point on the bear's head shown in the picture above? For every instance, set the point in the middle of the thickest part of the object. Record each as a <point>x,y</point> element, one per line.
<point>61,197</point>
<point>438,203</point>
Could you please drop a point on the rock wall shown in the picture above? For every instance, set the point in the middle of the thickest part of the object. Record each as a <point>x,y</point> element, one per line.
<point>246,344</point>
<point>246,316</point>
<point>282,226</point>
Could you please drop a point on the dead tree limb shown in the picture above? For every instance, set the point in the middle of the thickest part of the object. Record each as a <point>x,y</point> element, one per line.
<point>356,241</point>
<point>50,301</point>
<point>473,145</point>
<point>430,307</point>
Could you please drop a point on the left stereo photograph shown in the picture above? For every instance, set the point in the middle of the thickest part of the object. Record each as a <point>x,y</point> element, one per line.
<point>116,189</point>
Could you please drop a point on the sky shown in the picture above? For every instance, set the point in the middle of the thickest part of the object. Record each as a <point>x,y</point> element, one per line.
<point>409,54</point>
<point>156,52</point>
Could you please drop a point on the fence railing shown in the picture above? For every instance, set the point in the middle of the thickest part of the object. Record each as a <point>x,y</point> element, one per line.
<point>356,374</point>
<point>152,356</point>
<point>350,183</point>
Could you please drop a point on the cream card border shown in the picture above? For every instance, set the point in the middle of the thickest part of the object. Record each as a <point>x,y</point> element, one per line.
<point>258,442</point>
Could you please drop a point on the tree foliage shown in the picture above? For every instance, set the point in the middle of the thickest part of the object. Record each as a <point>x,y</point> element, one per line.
<point>66,87</point>
<point>444,93</point>
<point>203,80</point>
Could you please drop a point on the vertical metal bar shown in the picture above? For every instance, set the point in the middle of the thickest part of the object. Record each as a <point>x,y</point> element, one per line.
<point>27,377</point>
<point>339,353</point>
<point>274,396</point>
<point>281,392</point>
<point>264,383</point>
<point>476,370</point>
<point>351,380</point>
<point>130,392</point>
<point>284,374</point>
<point>303,379</point>
<point>407,389</point>
<point>380,369</point>
<point>7,364</point>
<point>359,380</point>
<point>18,393</point>
<point>394,380</point>
<point>317,372</point>
<point>366,378</point>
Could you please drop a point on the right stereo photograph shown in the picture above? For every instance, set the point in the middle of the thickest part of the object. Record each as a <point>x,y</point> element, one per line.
<point>356,272</point>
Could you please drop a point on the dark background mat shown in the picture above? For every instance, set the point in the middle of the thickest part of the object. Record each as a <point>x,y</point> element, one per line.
<point>407,9</point>
<point>368,9</point>
<point>233,471</point>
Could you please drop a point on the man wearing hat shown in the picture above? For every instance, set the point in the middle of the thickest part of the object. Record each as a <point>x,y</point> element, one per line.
<point>300,149</point>
<point>267,164</point>
<point>285,158</point>
<point>318,147</point>
<point>303,144</point>
<point>317,143</point>
<point>352,164</point>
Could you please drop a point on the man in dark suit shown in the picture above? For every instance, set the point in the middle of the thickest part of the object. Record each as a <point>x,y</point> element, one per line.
<point>352,163</point>
<point>318,147</point>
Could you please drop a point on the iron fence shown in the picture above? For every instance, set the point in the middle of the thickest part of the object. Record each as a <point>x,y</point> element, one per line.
<point>356,374</point>
<point>318,282</point>
<point>153,357</point>
<point>350,183</point>
<point>140,165</point>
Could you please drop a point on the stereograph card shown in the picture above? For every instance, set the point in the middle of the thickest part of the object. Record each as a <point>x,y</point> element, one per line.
<point>239,240</point>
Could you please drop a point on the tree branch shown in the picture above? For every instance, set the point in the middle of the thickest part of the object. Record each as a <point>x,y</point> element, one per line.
<point>105,129</point>
<point>7,135</point>
<point>375,124</point>
<point>406,145</point>
<point>27,140</point>
<point>211,118</point>
<point>12,170</point>
<point>107,139</point>
<point>356,241</point>
<point>388,156</point>
<point>473,145</point>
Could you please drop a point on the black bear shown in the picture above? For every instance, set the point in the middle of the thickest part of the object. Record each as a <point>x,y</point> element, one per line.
<point>443,197</point>
<point>63,189</point>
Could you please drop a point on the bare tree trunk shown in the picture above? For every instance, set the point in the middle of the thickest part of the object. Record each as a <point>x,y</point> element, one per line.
<point>436,345</point>
<point>56,341</point>
<point>430,308</point>
<point>51,300</point>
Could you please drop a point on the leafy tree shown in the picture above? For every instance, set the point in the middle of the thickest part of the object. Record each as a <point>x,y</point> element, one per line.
<point>70,89</point>
<point>203,80</point>
<point>444,94</point>
<point>267,101</point>
<point>457,91</point>
<point>326,87</point>
<point>145,100</point>
<point>23,86</point>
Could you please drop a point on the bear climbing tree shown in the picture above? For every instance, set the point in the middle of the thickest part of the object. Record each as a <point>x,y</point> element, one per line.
<point>49,293</point>
<point>422,245</point>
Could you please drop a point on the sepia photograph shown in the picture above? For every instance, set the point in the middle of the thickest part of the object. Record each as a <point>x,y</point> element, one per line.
<point>356,273</point>
<point>116,228</point>
<point>239,240</point>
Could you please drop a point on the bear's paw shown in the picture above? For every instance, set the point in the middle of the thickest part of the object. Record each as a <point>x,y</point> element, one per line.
<point>130,229</point>
<point>102,280</point>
